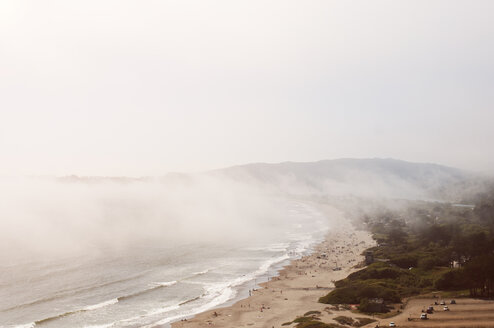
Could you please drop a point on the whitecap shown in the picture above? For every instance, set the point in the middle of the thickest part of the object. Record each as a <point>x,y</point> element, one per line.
<point>100,305</point>
<point>166,283</point>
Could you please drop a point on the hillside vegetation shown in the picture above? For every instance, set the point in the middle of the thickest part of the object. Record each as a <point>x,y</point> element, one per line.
<point>422,248</point>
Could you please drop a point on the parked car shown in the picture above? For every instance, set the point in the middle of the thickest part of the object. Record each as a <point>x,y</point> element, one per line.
<point>453,302</point>
<point>446,308</point>
<point>443,303</point>
<point>392,324</point>
<point>423,316</point>
<point>430,309</point>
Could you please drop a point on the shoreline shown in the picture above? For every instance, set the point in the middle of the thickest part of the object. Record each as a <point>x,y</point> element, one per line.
<point>296,287</point>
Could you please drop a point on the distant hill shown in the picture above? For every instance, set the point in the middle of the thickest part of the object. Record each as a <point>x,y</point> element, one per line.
<point>362,177</point>
<point>373,178</point>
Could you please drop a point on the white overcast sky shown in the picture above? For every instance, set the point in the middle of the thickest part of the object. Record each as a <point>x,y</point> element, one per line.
<point>147,87</point>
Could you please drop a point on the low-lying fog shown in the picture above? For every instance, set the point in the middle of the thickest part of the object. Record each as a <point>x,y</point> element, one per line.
<point>58,216</point>
<point>48,216</point>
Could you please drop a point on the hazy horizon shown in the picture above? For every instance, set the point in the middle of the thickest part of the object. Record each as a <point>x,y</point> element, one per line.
<point>480,173</point>
<point>120,88</point>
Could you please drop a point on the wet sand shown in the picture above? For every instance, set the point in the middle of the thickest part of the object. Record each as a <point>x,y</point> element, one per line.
<point>297,288</point>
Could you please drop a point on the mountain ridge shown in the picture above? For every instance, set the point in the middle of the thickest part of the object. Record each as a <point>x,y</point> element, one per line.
<point>366,177</point>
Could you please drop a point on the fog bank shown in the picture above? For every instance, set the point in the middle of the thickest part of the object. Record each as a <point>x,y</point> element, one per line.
<point>72,215</point>
<point>52,216</point>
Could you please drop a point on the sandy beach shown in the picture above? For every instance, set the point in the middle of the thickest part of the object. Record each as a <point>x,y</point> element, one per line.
<point>466,312</point>
<point>297,288</point>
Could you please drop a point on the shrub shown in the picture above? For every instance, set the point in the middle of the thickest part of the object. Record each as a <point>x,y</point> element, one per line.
<point>353,293</point>
<point>405,261</point>
<point>364,305</point>
<point>451,280</point>
<point>344,320</point>
<point>427,263</point>
<point>363,321</point>
<point>304,319</point>
<point>317,324</point>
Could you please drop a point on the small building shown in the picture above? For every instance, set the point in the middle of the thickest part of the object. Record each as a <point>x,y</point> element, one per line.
<point>460,262</point>
<point>455,264</point>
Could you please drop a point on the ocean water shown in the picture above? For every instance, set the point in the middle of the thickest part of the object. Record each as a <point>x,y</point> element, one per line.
<point>148,285</point>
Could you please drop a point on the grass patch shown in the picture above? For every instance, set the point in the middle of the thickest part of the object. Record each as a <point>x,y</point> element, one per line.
<point>318,324</point>
<point>383,280</point>
<point>363,321</point>
<point>305,319</point>
<point>311,322</point>
<point>344,320</point>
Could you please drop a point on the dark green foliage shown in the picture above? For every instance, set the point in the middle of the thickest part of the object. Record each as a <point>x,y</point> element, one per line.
<point>304,319</point>
<point>378,270</point>
<point>365,305</point>
<point>485,211</point>
<point>363,321</point>
<point>451,280</point>
<point>311,322</point>
<point>379,280</point>
<point>354,292</point>
<point>427,263</point>
<point>344,320</point>
<point>479,276</point>
<point>312,313</point>
<point>397,236</point>
<point>318,324</point>
<point>405,261</point>
<point>416,247</point>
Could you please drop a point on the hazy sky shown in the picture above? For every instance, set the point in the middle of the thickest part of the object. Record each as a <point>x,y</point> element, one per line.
<point>147,87</point>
